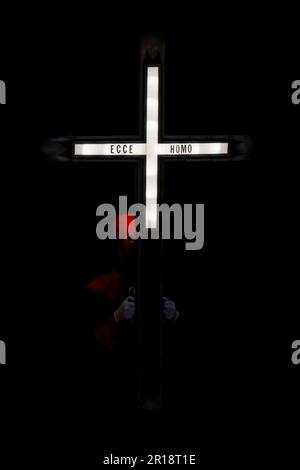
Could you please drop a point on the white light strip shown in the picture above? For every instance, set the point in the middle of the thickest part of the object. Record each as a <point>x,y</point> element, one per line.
<point>152,146</point>
<point>204,148</point>
<point>113,149</point>
<point>177,148</point>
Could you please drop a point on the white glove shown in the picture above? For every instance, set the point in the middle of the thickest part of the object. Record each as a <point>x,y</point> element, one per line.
<point>169,310</point>
<point>126,311</point>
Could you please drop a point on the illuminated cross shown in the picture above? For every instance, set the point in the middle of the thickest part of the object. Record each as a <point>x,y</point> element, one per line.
<point>151,147</point>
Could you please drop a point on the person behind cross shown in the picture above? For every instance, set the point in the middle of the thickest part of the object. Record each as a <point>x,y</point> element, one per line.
<point>116,290</point>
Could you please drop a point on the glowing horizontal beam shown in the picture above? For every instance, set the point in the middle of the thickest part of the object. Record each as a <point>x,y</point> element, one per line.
<point>179,149</point>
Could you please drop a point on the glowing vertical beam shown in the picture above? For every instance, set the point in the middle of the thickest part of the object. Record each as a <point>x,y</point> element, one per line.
<point>2,352</point>
<point>152,146</point>
<point>2,92</point>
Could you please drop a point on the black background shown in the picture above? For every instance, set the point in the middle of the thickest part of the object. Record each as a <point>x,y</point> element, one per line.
<point>233,394</point>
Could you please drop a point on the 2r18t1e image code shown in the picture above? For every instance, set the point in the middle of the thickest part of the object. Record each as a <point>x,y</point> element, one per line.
<point>151,459</point>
